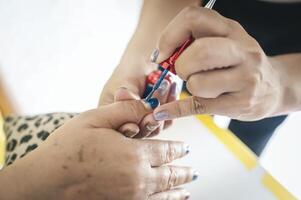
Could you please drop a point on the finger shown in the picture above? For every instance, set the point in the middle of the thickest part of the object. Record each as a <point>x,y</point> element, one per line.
<point>195,21</point>
<point>161,152</point>
<point>168,177</point>
<point>167,124</point>
<point>124,93</point>
<point>208,54</point>
<point>222,105</point>
<point>115,115</point>
<point>211,84</point>
<point>129,129</point>
<point>149,124</point>
<point>175,194</point>
<point>155,132</point>
<point>173,95</point>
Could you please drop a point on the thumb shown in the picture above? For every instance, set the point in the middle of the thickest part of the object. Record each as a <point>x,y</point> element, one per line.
<point>114,115</point>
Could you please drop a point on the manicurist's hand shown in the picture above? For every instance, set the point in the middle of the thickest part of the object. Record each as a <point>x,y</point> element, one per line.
<point>226,70</point>
<point>88,159</point>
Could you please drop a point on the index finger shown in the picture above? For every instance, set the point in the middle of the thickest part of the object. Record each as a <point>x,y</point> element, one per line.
<point>192,21</point>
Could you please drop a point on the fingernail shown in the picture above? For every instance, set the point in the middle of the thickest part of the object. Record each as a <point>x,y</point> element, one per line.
<point>151,127</point>
<point>173,89</point>
<point>129,133</point>
<point>162,90</point>
<point>154,55</point>
<point>161,116</point>
<point>195,175</point>
<point>187,195</point>
<point>187,148</point>
<point>153,103</point>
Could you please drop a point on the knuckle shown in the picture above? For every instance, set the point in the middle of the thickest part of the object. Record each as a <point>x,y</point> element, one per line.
<point>165,40</point>
<point>197,106</point>
<point>191,12</point>
<point>234,25</point>
<point>179,112</point>
<point>169,152</point>
<point>173,177</point>
<point>257,57</point>
<point>133,108</point>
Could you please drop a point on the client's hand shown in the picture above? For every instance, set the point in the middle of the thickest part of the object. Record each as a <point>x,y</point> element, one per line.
<point>88,159</point>
<point>128,83</point>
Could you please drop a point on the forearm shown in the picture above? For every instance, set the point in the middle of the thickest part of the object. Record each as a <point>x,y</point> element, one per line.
<point>289,69</point>
<point>13,183</point>
<point>155,15</point>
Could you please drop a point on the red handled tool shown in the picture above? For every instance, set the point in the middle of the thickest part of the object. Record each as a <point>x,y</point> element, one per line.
<point>166,66</point>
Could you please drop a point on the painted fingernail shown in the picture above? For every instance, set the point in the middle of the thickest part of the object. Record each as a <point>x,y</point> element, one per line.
<point>162,90</point>
<point>173,89</point>
<point>153,103</point>
<point>129,133</point>
<point>154,55</point>
<point>151,127</point>
<point>161,116</point>
<point>187,195</point>
<point>187,148</point>
<point>195,175</point>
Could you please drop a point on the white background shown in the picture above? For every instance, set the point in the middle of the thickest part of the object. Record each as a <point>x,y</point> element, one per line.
<point>55,55</point>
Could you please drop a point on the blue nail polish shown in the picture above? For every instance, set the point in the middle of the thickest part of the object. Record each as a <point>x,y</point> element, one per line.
<point>187,195</point>
<point>187,149</point>
<point>161,116</point>
<point>153,103</point>
<point>195,175</point>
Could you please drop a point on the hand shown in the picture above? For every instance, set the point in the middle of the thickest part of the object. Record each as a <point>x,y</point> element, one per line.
<point>128,83</point>
<point>226,70</point>
<point>88,159</point>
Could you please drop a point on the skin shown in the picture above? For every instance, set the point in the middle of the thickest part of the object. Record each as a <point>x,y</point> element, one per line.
<point>155,15</point>
<point>226,70</point>
<point>88,159</point>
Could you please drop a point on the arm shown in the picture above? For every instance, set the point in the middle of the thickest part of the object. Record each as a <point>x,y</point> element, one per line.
<point>289,69</point>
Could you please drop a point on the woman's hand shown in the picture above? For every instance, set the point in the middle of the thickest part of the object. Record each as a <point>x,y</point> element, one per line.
<point>128,83</point>
<point>88,159</point>
<point>226,70</point>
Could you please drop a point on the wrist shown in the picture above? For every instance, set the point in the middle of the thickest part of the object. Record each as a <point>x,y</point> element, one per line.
<point>289,100</point>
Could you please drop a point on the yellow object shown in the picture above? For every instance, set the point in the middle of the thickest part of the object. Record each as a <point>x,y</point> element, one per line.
<point>245,155</point>
<point>279,192</point>
<point>2,142</point>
